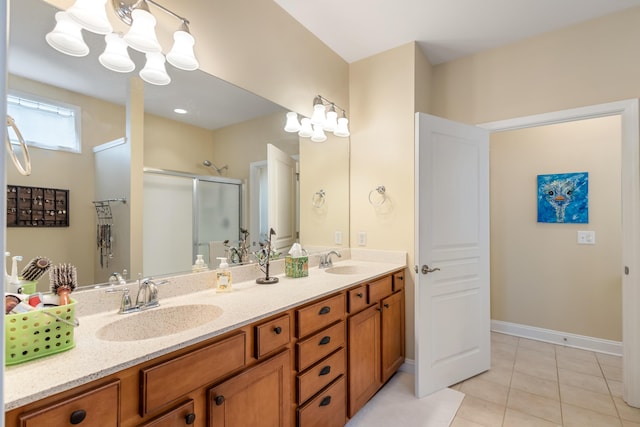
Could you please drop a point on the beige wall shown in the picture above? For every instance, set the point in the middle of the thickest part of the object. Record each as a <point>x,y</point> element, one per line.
<point>101,122</point>
<point>540,276</point>
<point>585,64</point>
<point>382,92</point>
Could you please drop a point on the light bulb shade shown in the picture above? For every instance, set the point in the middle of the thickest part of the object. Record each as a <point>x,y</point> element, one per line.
<point>181,54</point>
<point>292,125</point>
<point>343,127</point>
<point>91,15</point>
<point>142,35</point>
<point>115,56</point>
<point>66,37</point>
<point>318,117</point>
<point>154,70</point>
<point>305,128</point>
<point>331,124</point>
<point>318,134</point>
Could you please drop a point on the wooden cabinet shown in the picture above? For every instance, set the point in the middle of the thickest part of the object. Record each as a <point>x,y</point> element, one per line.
<point>260,396</point>
<point>98,407</point>
<point>313,365</point>
<point>375,340</point>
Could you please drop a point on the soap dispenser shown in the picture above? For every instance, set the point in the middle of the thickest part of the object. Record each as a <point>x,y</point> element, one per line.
<point>199,264</point>
<point>223,276</point>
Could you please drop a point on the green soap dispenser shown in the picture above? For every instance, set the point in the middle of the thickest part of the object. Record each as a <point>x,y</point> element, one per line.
<point>223,276</point>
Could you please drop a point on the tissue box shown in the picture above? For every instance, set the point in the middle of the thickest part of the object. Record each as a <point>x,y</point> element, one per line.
<point>296,267</point>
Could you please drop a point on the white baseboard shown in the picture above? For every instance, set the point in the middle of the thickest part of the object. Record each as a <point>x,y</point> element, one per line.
<point>409,366</point>
<point>557,337</point>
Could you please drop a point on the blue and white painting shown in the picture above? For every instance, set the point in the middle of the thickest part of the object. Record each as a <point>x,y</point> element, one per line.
<point>564,198</point>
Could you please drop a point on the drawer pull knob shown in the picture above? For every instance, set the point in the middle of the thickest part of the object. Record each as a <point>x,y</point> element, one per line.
<point>325,340</point>
<point>277,330</point>
<point>190,419</point>
<point>219,400</point>
<point>401,277</point>
<point>325,310</point>
<point>326,401</point>
<point>360,295</point>
<point>77,416</point>
<point>325,370</point>
<point>386,305</point>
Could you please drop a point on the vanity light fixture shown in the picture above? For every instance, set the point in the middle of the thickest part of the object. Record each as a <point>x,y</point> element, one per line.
<point>321,120</point>
<point>91,15</point>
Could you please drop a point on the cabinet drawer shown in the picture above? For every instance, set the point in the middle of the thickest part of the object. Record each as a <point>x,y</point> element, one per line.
<point>99,407</point>
<point>183,415</point>
<point>357,299</point>
<point>319,315</point>
<point>326,410</point>
<point>398,281</point>
<point>319,345</point>
<point>167,381</point>
<point>320,375</point>
<point>380,288</point>
<point>272,335</point>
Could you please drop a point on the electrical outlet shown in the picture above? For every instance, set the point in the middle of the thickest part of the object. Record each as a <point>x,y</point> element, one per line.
<point>337,239</point>
<point>362,238</point>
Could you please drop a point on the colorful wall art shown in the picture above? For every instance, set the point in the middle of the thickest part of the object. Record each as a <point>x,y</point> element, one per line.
<point>564,198</point>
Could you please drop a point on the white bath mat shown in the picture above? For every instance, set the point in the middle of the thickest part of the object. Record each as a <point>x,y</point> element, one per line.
<point>396,405</point>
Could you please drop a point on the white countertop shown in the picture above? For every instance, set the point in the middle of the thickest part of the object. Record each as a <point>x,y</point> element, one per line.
<point>93,358</point>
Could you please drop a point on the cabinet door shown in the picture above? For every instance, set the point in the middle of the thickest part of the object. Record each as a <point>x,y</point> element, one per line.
<point>364,357</point>
<point>392,326</point>
<point>260,396</point>
<point>99,407</point>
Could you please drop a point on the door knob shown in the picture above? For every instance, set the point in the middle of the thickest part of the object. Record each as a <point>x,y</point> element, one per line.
<point>427,270</point>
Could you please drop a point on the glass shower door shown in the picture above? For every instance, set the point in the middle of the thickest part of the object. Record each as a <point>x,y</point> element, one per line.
<point>217,206</point>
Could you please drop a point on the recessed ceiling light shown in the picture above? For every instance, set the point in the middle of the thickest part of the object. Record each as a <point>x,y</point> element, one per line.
<point>180,111</point>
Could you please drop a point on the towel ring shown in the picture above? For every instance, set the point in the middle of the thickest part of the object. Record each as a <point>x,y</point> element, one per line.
<point>318,199</point>
<point>26,170</point>
<point>378,200</point>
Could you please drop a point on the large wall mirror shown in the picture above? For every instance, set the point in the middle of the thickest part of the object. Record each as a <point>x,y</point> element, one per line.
<point>220,143</point>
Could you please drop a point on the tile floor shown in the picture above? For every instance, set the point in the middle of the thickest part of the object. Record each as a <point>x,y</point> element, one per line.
<point>532,383</point>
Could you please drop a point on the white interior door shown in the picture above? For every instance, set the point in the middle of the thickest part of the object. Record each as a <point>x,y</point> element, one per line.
<point>281,183</point>
<point>452,293</point>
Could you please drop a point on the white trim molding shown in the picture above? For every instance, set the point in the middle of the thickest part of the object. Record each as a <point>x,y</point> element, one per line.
<point>558,337</point>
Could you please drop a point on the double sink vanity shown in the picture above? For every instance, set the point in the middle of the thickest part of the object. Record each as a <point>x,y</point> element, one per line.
<point>306,351</point>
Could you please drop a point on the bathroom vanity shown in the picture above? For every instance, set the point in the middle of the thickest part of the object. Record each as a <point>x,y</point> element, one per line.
<point>308,352</point>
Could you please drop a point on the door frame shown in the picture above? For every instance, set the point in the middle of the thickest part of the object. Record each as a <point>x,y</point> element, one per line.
<point>630,170</point>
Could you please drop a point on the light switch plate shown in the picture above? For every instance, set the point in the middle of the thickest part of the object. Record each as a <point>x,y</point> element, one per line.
<point>362,238</point>
<point>586,237</point>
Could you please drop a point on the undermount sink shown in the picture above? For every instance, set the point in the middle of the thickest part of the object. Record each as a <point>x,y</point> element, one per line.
<point>158,322</point>
<point>347,269</point>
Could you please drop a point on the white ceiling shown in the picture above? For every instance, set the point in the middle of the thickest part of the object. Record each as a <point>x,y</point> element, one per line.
<point>444,29</point>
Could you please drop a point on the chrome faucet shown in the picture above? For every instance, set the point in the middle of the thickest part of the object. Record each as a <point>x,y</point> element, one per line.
<point>147,296</point>
<point>325,259</point>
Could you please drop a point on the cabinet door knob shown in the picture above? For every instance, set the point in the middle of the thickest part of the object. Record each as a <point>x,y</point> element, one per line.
<point>325,370</point>
<point>325,340</point>
<point>386,305</point>
<point>77,416</point>
<point>219,400</point>
<point>277,330</point>
<point>326,401</point>
<point>190,419</point>
<point>325,310</point>
<point>360,295</point>
<point>401,277</point>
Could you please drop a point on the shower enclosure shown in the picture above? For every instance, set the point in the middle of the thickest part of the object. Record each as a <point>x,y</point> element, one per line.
<point>186,215</point>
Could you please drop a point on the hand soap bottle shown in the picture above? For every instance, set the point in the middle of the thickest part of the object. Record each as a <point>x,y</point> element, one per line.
<point>199,264</point>
<point>223,276</point>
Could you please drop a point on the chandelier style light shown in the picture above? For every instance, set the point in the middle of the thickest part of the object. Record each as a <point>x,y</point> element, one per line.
<point>91,15</point>
<point>322,120</point>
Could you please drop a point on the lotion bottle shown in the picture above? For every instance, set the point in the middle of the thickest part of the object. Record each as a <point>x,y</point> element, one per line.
<point>223,276</point>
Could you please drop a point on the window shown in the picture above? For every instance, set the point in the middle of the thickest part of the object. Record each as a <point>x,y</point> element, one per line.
<point>45,123</point>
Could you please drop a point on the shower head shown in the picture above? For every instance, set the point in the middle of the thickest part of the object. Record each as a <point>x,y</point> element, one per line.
<point>208,164</point>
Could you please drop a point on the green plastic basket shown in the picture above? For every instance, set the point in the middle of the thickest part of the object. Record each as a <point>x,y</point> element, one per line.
<point>37,334</point>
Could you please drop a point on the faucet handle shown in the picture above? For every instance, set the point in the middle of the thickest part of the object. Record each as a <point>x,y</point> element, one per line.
<point>125,303</point>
